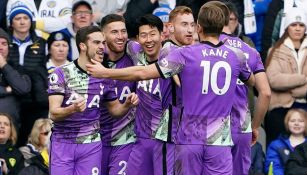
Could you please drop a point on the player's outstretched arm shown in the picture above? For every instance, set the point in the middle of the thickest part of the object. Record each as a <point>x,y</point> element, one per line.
<point>58,113</point>
<point>116,109</point>
<point>263,101</point>
<point>133,73</point>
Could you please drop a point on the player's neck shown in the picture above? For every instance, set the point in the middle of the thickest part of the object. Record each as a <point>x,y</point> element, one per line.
<point>210,38</point>
<point>113,56</point>
<point>82,61</point>
<point>172,37</point>
<point>226,30</point>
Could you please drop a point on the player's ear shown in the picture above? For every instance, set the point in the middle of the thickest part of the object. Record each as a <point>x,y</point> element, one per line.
<point>171,28</point>
<point>199,29</point>
<point>82,46</point>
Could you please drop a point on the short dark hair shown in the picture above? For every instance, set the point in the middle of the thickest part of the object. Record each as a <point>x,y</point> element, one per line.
<point>82,34</point>
<point>211,18</point>
<point>111,18</point>
<point>151,20</point>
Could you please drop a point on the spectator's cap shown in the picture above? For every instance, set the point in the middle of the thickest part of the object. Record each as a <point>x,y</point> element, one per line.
<point>4,35</point>
<point>78,3</point>
<point>162,12</point>
<point>57,36</point>
<point>295,15</point>
<point>20,8</point>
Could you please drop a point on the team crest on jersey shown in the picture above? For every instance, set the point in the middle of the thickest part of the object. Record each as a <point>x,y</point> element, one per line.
<point>12,161</point>
<point>65,11</point>
<point>51,4</point>
<point>53,78</point>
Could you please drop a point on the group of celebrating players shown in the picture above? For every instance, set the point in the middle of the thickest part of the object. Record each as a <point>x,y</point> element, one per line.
<point>155,106</point>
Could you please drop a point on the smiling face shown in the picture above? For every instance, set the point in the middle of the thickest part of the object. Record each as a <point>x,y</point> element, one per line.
<point>116,36</point>
<point>5,129</point>
<point>150,39</point>
<point>296,124</point>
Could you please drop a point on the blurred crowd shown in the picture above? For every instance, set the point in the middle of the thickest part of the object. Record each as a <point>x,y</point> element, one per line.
<point>37,36</point>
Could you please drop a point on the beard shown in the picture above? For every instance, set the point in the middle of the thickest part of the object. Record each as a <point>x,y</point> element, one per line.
<point>90,56</point>
<point>114,49</point>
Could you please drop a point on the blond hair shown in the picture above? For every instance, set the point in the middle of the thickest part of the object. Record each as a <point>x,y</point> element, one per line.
<point>301,112</point>
<point>36,131</point>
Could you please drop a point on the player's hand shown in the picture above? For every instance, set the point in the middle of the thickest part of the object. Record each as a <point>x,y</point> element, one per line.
<point>2,61</point>
<point>132,100</point>
<point>255,135</point>
<point>96,69</point>
<point>4,166</point>
<point>79,105</point>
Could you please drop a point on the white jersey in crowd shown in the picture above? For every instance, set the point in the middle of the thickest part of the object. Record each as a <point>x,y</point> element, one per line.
<point>52,15</point>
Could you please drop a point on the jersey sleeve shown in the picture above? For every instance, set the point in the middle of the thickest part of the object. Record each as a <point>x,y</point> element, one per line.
<point>245,71</point>
<point>133,49</point>
<point>172,64</point>
<point>256,64</point>
<point>56,83</point>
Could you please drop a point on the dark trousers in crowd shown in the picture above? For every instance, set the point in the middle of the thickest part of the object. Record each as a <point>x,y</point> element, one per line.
<point>28,114</point>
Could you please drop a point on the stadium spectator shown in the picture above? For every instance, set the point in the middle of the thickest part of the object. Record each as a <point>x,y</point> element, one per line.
<point>163,13</point>
<point>27,54</point>
<point>234,25</point>
<point>82,16</point>
<point>287,71</point>
<point>279,150</point>
<point>260,8</point>
<point>8,136</point>
<point>58,48</point>
<point>102,8</point>
<point>48,16</point>
<point>257,160</point>
<point>276,14</point>
<point>36,151</point>
<point>12,83</point>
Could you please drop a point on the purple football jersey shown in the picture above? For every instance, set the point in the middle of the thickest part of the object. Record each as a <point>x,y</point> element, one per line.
<point>72,82</point>
<point>240,113</point>
<point>208,76</point>
<point>149,113</point>
<point>119,131</point>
